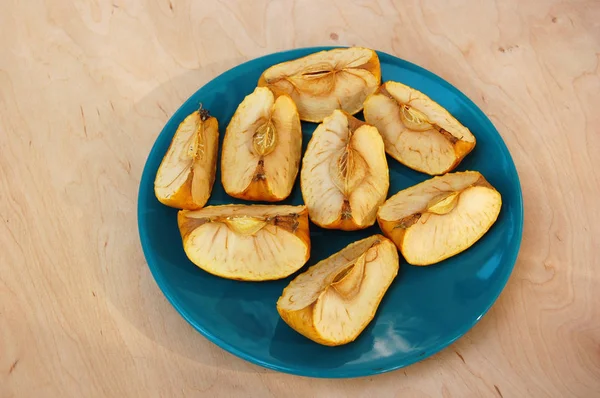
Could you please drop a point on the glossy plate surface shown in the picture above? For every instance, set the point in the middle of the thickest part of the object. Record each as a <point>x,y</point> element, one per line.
<point>425,309</point>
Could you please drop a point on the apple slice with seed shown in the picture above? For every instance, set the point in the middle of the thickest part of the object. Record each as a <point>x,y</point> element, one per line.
<point>262,148</point>
<point>417,131</point>
<point>246,242</point>
<point>186,175</point>
<point>333,301</point>
<point>440,217</point>
<point>344,177</point>
<point>319,83</point>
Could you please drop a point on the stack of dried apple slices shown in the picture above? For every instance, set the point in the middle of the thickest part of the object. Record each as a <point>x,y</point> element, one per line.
<point>344,182</point>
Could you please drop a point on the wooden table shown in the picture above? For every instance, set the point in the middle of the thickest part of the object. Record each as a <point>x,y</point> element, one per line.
<point>85,87</point>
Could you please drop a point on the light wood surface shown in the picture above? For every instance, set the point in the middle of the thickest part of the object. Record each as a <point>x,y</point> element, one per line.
<point>85,87</point>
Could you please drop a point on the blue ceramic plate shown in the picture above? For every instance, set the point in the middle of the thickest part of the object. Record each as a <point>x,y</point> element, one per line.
<point>425,309</point>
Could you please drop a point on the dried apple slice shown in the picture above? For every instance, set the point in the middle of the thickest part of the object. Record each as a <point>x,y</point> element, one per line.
<point>321,82</point>
<point>344,177</point>
<point>440,217</point>
<point>186,174</point>
<point>417,131</point>
<point>335,299</point>
<point>252,243</point>
<point>262,148</point>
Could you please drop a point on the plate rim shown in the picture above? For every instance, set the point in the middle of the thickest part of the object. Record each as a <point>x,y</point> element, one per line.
<point>326,373</point>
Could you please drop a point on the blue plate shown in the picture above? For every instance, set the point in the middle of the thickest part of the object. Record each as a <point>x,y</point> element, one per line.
<point>425,309</point>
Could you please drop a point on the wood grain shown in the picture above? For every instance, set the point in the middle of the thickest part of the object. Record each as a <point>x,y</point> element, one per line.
<point>85,87</point>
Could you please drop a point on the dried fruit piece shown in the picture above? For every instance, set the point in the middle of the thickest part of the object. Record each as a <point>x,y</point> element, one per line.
<point>344,175</point>
<point>252,243</point>
<point>335,299</point>
<point>417,131</point>
<point>262,148</point>
<point>440,217</point>
<point>321,82</point>
<point>186,174</point>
